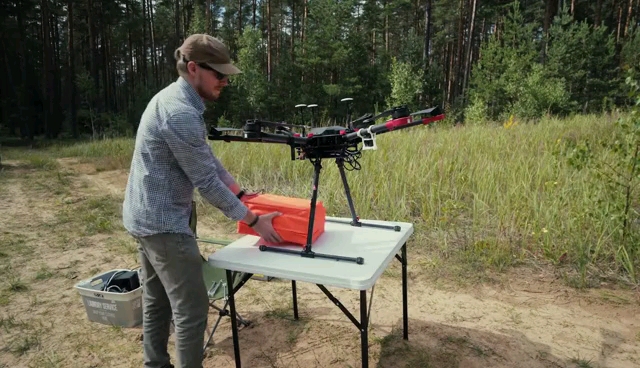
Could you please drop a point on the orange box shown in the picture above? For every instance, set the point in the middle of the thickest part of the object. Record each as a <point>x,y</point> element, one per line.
<point>293,224</point>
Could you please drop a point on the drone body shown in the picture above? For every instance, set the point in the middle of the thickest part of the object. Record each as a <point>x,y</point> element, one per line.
<point>327,142</point>
<point>331,142</point>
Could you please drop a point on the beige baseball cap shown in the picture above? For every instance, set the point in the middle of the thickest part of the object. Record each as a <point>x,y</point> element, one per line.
<point>203,48</point>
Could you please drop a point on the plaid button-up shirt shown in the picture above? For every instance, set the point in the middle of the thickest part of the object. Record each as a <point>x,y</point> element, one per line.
<point>171,159</point>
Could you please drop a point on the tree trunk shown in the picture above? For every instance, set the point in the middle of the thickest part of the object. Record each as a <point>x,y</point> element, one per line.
<point>176,20</point>
<point>132,74</point>
<point>573,8</point>
<point>144,42</point>
<point>467,67</point>
<point>28,126</point>
<point>426,52</point>
<point>304,24</point>
<point>73,112</point>
<point>152,34</point>
<point>451,55</point>
<point>185,21</point>
<point>550,10</point>
<point>239,16</point>
<point>386,27</point>
<point>372,59</point>
<point>269,35</point>
<point>55,83</point>
<point>598,15</point>
<point>619,26</point>
<point>551,7</point>
<point>93,50</point>
<point>458,58</point>
<point>293,31</point>
<point>6,102</point>
<point>253,21</point>
<point>105,62</point>
<point>207,16</point>
<point>629,17</point>
<point>46,67</point>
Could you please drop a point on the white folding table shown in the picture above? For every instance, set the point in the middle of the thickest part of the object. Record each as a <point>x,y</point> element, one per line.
<point>377,246</point>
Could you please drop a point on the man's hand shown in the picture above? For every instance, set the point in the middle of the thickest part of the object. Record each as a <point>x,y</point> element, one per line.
<point>264,227</point>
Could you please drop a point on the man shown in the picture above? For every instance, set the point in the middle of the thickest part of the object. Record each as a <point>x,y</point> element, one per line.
<point>171,159</point>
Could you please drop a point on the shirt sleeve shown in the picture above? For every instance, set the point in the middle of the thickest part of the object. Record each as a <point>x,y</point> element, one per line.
<point>223,174</point>
<point>182,132</point>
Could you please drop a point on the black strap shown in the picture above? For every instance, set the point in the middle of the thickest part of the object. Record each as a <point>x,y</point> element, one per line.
<point>255,221</point>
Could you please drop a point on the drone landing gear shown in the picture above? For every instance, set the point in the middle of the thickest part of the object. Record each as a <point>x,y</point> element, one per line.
<point>355,221</point>
<point>311,254</point>
<point>306,251</point>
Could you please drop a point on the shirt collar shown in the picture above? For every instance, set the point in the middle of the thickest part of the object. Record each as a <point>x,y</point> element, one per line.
<point>192,96</point>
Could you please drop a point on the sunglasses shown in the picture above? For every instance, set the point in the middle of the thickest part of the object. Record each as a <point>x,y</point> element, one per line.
<point>219,75</point>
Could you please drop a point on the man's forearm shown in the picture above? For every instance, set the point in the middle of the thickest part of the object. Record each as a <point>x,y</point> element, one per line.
<point>249,218</point>
<point>234,187</point>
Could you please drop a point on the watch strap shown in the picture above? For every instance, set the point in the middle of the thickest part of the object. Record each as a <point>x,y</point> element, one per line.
<point>254,222</point>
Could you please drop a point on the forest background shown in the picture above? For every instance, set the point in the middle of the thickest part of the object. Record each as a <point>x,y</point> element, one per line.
<point>73,68</point>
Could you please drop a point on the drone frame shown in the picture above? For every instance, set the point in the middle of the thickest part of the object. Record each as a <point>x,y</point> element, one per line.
<point>333,142</point>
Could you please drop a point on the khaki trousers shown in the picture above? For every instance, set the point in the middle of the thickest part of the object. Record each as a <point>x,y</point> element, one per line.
<point>173,288</point>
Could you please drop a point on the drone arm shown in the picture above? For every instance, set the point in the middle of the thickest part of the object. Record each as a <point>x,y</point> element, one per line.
<point>401,123</point>
<point>366,117</point>
<point>381,115</point>
<point>396,124</point>
<point>283,138</point>
<point>260,137</point>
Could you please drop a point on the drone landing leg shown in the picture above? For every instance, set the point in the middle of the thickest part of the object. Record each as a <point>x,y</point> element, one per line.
<point>355,221</point>
<point>307,252</point>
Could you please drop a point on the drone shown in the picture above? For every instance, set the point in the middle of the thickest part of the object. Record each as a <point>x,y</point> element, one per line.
<point>344,144</point>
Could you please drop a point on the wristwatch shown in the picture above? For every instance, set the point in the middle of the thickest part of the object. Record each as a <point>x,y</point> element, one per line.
<point>254,222</point>
<point>240,194</point>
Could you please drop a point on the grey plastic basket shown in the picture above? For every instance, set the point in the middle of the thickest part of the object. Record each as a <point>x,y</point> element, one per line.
<point>111,308</point>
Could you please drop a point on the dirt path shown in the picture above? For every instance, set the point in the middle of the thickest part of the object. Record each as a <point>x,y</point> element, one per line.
<point>529,320</point>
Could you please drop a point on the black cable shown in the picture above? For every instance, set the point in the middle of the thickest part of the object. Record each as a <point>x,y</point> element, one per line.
<point>351,158</point>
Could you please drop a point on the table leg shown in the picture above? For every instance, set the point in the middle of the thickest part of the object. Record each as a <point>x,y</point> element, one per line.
<point>362,325</point>
<point>234,325</point>
<point>295,299</point>
<point>405,313</point>
<point>364,329</point>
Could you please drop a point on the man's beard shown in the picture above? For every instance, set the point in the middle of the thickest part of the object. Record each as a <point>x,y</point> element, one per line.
<point>207,95</point>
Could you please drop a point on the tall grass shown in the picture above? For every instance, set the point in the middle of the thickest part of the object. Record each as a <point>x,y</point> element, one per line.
<point>484,195</point>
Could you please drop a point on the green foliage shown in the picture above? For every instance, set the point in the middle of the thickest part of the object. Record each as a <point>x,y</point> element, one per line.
<point>505,78</point>
<point>538,94</point>
<point>476,112</point>
<point>584,57</point>
<point>406,84</point>
<point>630,53</point>
<point>251,83</point>
<point>224,122</point>
<point>578,74</point>
<point>610,165</point>
<point>620,175</point>
<point>198,22</point>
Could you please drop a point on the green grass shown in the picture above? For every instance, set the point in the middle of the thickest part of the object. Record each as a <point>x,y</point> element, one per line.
<point>482,197</point>
<point>107,154</point>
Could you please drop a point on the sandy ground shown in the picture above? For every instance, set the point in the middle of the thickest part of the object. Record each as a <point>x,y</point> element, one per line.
<point>530,319</point>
